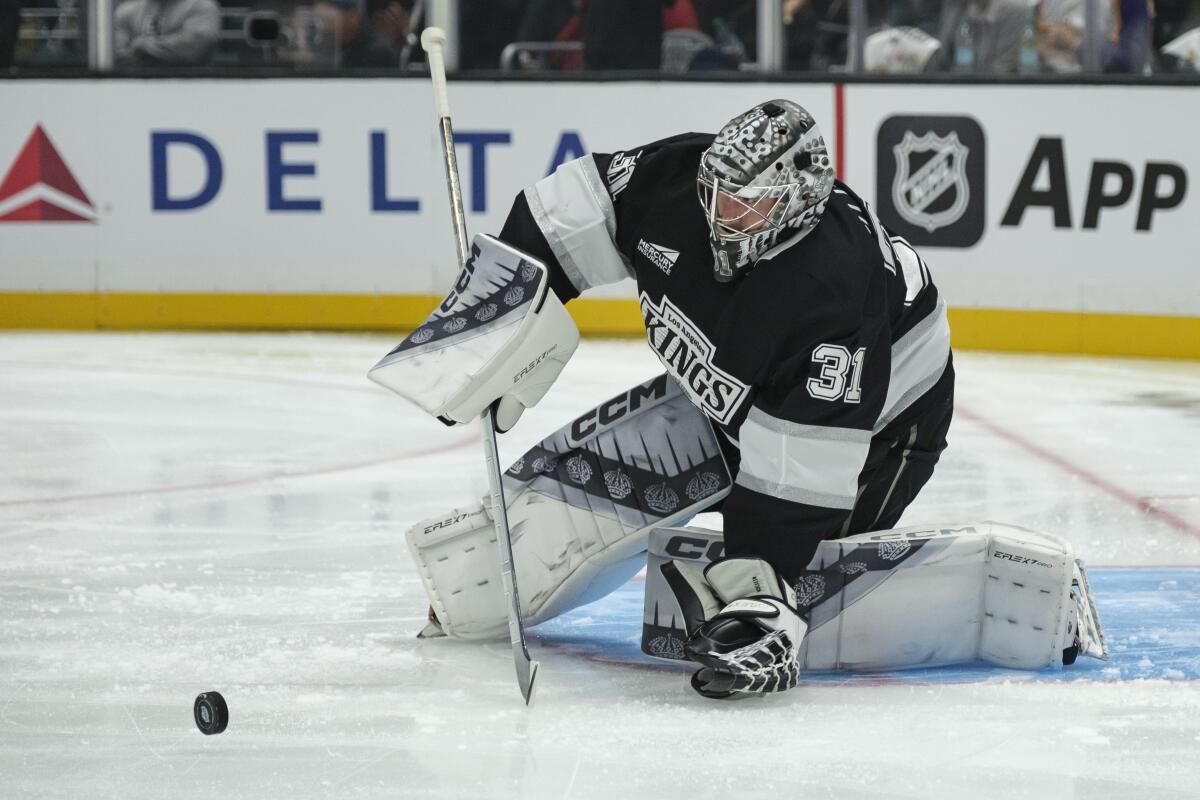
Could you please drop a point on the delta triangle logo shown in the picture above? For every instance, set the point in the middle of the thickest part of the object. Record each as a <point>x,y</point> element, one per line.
<point>39,187</point>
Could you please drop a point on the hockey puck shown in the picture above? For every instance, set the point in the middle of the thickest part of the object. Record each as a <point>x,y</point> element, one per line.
<point>211,713</point>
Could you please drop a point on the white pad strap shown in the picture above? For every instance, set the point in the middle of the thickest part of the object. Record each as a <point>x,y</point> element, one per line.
<point>581,504</point>
<point>911,597</point>
<point>500,334</point>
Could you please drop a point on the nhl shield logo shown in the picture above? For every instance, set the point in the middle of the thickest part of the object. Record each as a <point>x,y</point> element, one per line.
<point>930,188</point>
<point>931,179</point>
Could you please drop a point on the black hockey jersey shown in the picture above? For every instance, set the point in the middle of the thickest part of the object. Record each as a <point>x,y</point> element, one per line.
<point>829,343</point>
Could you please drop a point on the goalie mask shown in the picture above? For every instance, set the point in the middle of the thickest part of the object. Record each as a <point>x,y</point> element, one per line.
<point>765,177</point>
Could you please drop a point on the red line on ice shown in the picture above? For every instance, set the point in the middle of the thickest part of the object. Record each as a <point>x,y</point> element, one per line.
<point>250,481</point>
<point>184,373</point>
<point>274,476</point>
<point>1140,503</point>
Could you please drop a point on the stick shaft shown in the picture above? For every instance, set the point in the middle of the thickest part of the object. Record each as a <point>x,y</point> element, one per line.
<point>433,40</point>
<point>455,189</point>
<point>526,668</point>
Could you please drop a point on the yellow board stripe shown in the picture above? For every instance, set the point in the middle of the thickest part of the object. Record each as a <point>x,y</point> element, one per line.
<point>972,328</point>
<point>1069,332</point>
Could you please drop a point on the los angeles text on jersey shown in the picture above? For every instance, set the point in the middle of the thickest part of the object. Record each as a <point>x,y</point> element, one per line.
<point>688,354</point>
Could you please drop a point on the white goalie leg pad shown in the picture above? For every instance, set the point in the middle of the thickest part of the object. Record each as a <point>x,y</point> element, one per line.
<point>580,506</point>
<point>500,334</point>
<point>910,597</point>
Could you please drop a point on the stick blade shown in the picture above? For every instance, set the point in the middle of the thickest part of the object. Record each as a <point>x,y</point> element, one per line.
<point>526,675</point>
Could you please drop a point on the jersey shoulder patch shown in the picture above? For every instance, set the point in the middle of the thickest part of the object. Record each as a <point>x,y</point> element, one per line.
<point>655,163</point>
<point>620,171</point>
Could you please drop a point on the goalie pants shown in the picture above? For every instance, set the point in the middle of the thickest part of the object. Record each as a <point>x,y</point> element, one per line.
<point>901,459</point>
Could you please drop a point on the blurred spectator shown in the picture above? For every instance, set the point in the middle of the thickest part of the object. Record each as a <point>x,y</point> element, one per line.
<point>10,23</point>
<point>923,14</point>
<point>543,20</point>
<point>899,50</point>
<point>1059,31</point>
<point>485,27</point>
<point>553,21</point>
<point>49,33</point>
<point>1176,29</point>
<point>1177,35</point>
<point>390,24</point>
<point>616,34</point>
<point>680,15</point>
<point>165,32</point>
<point>1182,54</point>
<point>369,34</point>
<point>1171,19</point>
<point>623,34</point>
<point>733,26</point>
<point>682,38</point>
<point>816,32</point>
<point>1128,49</point>
<point>983,35</point>
<point>800,33</point>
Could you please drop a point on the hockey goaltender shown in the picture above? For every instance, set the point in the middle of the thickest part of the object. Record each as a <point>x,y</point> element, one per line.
<point>808,391</point>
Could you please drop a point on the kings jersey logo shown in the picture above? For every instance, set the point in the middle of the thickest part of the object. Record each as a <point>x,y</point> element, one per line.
<point>930,174</point>
<point>688,355</point>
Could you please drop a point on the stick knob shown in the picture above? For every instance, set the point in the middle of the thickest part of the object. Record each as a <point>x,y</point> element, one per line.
<point>434,42</point>
<point>432,38</point>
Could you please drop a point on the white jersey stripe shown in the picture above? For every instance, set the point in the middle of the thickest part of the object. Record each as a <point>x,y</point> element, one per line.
<point>810,464</point>
<point>575,214</point>
<point>918,360</point>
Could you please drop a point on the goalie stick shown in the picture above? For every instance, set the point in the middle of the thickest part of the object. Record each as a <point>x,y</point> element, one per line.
<point>433,41</point>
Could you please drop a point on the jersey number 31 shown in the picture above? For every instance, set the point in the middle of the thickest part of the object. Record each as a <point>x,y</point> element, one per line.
<point>832,384</point>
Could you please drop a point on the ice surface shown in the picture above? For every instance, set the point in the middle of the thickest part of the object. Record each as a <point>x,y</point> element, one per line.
<point>180,513</point>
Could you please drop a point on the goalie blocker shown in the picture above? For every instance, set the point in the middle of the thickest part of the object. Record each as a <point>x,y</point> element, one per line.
<point>910,597</point>
<point>500,336</point>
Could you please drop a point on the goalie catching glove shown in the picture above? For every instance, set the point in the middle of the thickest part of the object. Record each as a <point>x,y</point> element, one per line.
<point>742,626</point>
<point>501,337</point>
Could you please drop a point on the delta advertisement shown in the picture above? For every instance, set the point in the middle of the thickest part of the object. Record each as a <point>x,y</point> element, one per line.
<point>1069,199</point>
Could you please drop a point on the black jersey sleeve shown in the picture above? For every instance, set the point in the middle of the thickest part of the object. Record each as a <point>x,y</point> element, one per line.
<point>806,437</point>
<point>521,231</point>
<point>570,218</point>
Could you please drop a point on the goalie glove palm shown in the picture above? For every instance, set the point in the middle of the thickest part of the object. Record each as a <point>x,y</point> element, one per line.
<point>742,626</point>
